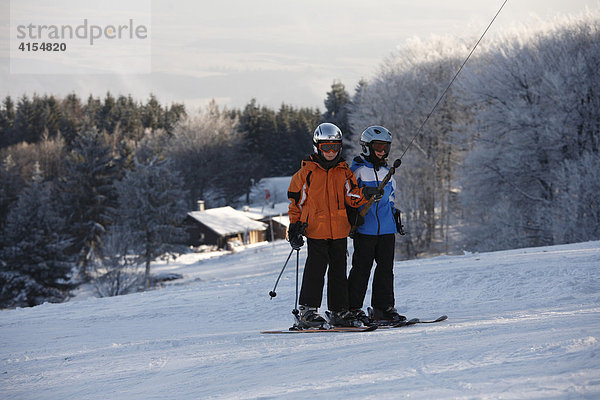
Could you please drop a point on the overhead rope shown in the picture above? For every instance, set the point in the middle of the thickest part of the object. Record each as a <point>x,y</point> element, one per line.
<point>419,131</point>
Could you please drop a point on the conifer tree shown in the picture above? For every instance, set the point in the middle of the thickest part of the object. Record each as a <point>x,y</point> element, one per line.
<point>7,121</point>
<point>336,108</point>
<point>260,127</point>
<point>151,209</point>
<point>10,186</point>
<point>71,120</point>
<point>152,114</point>
<point>173,115</point>
<point>35,267</point>
<point>24,128</point>
<point>88,195</point>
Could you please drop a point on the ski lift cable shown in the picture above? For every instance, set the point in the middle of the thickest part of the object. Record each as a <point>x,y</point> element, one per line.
<point>419,131</point>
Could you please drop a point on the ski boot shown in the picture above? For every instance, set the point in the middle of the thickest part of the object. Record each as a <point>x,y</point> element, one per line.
<point>309,318</point>
<point>360,315</point>
<point>387,316</point>
<point>343,319</point>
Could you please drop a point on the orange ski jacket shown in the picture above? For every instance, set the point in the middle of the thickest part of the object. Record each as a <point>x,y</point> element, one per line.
<point>319,198</point>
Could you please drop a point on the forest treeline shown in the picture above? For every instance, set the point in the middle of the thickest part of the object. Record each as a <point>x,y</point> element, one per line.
<point>96,189</point>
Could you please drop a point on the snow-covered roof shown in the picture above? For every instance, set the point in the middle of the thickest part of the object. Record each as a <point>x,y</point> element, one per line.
<point>227,221</point>
<point>283,220</point>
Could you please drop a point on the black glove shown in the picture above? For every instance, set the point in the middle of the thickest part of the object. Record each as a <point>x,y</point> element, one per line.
<point>295,232</point>
<point>372,191</point>
<point>399,226</point>
<point>354,217</point>
<point>359,220</point>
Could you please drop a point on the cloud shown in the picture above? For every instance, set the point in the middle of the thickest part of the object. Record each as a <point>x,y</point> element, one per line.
<point>274,51</point>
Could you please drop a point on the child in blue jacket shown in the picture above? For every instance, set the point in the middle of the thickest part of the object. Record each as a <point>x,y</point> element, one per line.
<point>374,239</point>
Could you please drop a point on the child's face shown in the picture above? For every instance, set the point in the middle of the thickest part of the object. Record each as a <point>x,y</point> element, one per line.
<point>380,154</point>
<point>331,155</point>
<point>330,150</point>
<point>380,148</point>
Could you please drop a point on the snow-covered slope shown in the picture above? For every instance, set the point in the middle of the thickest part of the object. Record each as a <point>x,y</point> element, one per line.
<point>522,324</point>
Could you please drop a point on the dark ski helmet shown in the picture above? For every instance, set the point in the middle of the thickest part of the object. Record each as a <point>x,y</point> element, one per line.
<point>372,135</point>
<point>326,132</point>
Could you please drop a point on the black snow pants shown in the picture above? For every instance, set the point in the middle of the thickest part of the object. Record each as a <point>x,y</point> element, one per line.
<point>321,253</point>
<point>369,248</point>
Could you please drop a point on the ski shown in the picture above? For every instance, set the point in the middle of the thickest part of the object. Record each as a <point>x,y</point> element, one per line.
<point>336,329</point>
<point>370,328</point>
<point>392,324</point>
<point>433,321</point>
<point>414,321</point>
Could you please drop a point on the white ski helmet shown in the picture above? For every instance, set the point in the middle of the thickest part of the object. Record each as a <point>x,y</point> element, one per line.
<point>374,133</point>
<point>326,132</point>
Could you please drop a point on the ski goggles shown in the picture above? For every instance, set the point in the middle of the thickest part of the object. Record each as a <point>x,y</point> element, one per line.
<point>330,147</point>
<point>381,146</point>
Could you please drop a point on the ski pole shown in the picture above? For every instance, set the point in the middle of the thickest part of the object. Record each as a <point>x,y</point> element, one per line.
<point>297,267</point>
<point>272,293</point>
<point>295,311</point>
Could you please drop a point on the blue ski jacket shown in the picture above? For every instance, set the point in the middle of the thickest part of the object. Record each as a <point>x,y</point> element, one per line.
<point>379,220</point>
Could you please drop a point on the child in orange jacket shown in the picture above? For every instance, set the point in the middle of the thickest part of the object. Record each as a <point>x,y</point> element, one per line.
<point>319,193</point>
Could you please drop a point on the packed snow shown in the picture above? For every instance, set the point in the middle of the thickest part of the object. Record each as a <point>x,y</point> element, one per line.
<point>522,324</point>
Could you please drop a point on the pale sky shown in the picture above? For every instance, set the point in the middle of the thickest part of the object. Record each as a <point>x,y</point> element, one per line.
<point>277,51</point>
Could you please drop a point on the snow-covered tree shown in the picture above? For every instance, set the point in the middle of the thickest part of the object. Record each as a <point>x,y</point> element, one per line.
<point>152,208</point>
<point>576,206</point>
<point>205,147</point>
<point>400,97</point>
<point>531,178</point>
<point>116,270</point>
<point>87,192</point>
<point>35,266</point>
